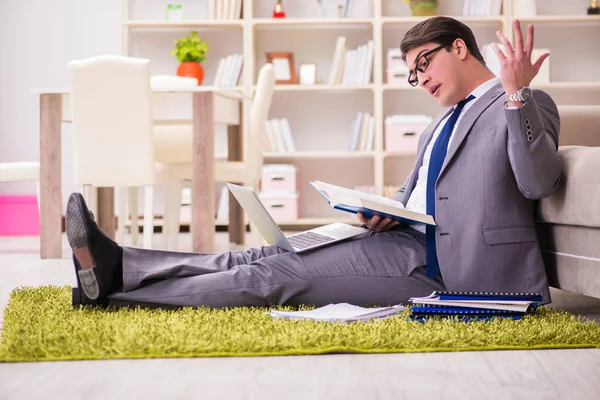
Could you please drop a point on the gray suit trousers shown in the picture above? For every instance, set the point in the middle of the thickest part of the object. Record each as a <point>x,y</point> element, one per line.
<point>375,269</point>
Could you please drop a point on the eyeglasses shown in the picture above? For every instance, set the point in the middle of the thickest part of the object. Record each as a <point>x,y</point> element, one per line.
<point>422,64</point>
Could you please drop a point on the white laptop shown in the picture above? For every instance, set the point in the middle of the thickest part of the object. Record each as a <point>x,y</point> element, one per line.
<point>298,242</point>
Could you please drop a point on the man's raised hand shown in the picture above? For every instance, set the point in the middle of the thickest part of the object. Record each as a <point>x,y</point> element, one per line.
<point>516,69</point>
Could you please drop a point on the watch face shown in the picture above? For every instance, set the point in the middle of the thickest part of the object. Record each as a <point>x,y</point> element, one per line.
<point>525,93</point>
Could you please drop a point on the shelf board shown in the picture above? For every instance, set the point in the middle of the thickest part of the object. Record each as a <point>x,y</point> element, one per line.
<point>592,85</point>
<point>320,154</point>
<point>551,85</point>
<point>320,87</point>
<point>465,19</point>
<point>395,86</point>
<point>560,18</point>
<point>184,24</point>
<point>399,154</point>
<point>309,22</point>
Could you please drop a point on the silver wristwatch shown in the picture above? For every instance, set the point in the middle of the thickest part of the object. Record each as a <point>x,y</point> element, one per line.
<point>524,94</point>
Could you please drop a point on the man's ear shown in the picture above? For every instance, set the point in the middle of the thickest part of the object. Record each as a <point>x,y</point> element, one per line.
<point>461,48</point>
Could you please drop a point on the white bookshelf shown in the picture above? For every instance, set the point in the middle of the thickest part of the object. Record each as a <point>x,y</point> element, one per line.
<point>320,115</point>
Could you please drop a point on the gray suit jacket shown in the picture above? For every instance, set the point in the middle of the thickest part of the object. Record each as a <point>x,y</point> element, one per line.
<point>499,163</point>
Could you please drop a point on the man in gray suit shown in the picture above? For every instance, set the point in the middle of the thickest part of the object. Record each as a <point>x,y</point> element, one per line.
<point>481,165</point>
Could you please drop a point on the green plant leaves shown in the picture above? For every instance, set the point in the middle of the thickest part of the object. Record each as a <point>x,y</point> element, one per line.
<point>190,48</point>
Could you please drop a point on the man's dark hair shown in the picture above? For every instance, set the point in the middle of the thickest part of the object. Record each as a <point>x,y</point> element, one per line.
<point>440,30</point>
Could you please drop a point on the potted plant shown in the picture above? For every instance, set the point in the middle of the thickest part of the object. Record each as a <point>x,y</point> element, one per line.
<point>422,8</point>
<point>190,52</point>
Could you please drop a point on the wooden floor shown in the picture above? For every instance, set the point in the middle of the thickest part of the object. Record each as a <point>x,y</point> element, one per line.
<point>544,374</point>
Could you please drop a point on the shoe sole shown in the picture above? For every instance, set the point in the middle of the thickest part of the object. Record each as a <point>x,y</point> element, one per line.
<point>77,235</point>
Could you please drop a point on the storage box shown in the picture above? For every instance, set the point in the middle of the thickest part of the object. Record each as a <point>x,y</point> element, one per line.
<point>402,132</point>
<point>281,205</point>
<point>394,59</point>
<point>278,178</point>
<point>397,76</point>
<point>19,215</point>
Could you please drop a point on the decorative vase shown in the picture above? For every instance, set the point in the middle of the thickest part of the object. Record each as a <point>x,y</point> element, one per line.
<point>423,8</point>
<point>192,69</point>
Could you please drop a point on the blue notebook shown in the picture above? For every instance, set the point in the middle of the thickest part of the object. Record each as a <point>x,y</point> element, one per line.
<point>465,318</point>
<point>474,305</point>
<point>495,296</point>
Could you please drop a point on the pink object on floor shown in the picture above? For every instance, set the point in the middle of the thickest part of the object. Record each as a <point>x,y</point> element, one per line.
<point>19,215</point>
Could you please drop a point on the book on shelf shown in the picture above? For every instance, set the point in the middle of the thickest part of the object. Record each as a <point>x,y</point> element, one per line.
<point>524,8</point>
<point>223,206</point>
<point>228,71</point>
<point>482,8</point>
<point>278,136</point>
<point>351,66</point>
<point>224,9</point>
<point>474,305</point>
<point>362,134</point>
<point>354,201</point>
<point>357,9</point>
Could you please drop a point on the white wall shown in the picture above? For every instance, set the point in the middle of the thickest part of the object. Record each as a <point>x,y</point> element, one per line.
<point>37,39</point>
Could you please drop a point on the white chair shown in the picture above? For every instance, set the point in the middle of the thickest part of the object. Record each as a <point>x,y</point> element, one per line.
<point>112,130</point>
<point>173,144</point>
<point>20,172</point>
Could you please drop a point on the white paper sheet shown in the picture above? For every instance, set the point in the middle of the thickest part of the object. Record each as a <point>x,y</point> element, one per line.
<point>339,312</point>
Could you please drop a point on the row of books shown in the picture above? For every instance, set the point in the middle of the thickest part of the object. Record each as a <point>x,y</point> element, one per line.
<point>482,8</point>
<point>357,9</point>
<point>228,71</point>
<point>278,136</point>
<point>362,136</point>
<point>351,66</point>
<point>468,306</point>
<point>224,9</point>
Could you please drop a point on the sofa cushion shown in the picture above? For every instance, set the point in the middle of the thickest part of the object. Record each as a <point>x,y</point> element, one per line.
<point>577,200</point>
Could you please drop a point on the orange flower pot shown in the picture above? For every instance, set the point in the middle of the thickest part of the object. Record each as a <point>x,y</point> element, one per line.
<point>192,69</point>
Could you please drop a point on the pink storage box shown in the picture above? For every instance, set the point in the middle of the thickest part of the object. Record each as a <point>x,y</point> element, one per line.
<point>278,178</point>
<point>402,132</point>
<point>19,215</point>
<point>282,206</point>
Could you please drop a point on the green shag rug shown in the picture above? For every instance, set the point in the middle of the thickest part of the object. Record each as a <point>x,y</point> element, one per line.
<point>40,325</point>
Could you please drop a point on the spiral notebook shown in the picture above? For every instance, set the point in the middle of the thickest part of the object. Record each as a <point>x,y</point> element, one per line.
<point>475,305</point>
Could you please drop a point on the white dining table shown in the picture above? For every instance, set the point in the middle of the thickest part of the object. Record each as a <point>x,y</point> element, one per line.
<point>202,107</point>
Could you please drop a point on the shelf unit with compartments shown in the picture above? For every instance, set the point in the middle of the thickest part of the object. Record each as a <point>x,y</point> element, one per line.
<point>320,115</point>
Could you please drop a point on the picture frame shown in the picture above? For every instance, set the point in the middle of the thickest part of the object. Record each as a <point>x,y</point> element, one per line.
<point>283,64</point>
<point>307,74</point>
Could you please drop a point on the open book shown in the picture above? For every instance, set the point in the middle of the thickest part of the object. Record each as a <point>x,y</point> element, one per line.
<point>354,201</point>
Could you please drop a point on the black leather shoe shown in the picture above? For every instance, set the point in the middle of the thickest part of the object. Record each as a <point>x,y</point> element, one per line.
<point>97,259</point>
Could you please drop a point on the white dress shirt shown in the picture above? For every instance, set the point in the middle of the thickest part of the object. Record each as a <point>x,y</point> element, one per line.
<point>418,198</point>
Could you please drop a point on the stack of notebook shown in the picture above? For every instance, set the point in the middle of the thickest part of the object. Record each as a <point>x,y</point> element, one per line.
<point>473,305</point>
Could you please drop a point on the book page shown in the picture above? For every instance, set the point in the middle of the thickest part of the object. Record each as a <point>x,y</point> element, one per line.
<point>348,194</point>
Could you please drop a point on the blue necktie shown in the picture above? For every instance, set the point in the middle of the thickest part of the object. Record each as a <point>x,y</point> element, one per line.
<point>438,154</point>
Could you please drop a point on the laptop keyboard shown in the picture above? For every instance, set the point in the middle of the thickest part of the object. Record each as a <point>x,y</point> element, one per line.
<point>307,239</point>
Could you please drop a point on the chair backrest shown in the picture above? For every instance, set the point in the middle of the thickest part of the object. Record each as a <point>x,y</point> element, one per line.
<point>258,118</point>
<point>112,121</point>
<point>19,171</point>
<point>172,82</point>
<point>579,125</point>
